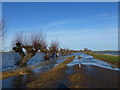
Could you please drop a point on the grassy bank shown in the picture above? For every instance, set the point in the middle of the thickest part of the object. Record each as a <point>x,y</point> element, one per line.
<point>25,70</point>
<point>21,71</point>
<point>50,78</point>
<point>106,51</point>
<point>109,58</point>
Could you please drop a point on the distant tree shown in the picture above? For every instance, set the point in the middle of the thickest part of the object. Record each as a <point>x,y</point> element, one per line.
<point>87,50</point>
<point>31,43</point>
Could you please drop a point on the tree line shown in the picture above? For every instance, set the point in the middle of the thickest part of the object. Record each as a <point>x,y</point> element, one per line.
<point>28,44</point>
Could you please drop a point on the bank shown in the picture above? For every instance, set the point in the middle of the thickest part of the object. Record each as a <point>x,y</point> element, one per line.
<point>109,58</point>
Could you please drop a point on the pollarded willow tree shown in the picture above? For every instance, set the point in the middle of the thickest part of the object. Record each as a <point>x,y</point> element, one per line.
<point>54,48</point>
<point>28,44</point>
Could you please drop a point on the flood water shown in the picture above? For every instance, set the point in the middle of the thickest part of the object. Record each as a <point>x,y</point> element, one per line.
<point>9,59</point>
<point>89,60</point>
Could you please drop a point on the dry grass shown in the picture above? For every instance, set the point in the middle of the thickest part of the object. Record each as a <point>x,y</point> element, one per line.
<point>79,57</point>
<point>23,70</point>
<point>78,79</point>
<point>50,78</point>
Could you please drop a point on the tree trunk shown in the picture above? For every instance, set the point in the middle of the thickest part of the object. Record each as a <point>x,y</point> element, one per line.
<point>57,54</point>
<point>47,56</point>
<point>26,58</point>
<point>53,54</point>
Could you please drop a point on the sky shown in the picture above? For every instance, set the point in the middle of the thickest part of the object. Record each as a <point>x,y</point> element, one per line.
<point>92,25</point>
<point>60,0</point>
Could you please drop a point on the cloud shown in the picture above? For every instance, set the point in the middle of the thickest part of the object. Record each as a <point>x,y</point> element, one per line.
<point>55,24</point>
<point>85,20</point>
<point>95,39</point>
<point>102,15</point>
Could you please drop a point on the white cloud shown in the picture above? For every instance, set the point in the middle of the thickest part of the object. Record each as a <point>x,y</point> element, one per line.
<point>102,15</point>
<point>55,24</point>
<point>95,39</point>
<point>91,38</point>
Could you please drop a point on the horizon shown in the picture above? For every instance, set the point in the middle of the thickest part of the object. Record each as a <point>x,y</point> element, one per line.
<point>92,25</point>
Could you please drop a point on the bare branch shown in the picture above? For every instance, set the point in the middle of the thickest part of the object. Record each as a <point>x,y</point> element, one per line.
<point>36,41</point>
<point>31,42</point>
<point>54,45</point>
<point>2,28</point>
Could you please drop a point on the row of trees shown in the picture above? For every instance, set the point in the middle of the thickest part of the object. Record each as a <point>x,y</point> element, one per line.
<point>87,50</point>
<point>28,44</point>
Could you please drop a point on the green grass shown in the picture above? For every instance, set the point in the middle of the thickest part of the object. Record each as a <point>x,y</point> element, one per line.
<point>109,58</point>
<point>106,51</point>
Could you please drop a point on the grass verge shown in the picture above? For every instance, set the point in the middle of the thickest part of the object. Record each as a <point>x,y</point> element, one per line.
<point>21,71</point>
<point>109,58</point>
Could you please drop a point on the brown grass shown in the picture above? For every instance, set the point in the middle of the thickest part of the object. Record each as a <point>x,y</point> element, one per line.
<point>79,57</point>
<point>50,78</point>
<point>24,70</point>
<point>79,80</point>
<point>21,71</point>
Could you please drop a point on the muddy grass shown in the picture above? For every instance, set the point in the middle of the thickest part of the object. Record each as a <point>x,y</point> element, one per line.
<point>97,78</point>
<point>79,57</point>
<point>23,70</point>
<point>50,78</point>
<point>79,80</point>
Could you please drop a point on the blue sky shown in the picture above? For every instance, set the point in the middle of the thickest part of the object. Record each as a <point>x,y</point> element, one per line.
<point>76,25</point>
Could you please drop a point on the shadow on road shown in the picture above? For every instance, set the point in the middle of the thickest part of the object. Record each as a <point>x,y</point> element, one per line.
<point>63,86</point>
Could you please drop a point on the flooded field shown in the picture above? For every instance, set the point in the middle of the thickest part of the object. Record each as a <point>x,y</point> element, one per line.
<point>87,64</point>
<point>9,60</point>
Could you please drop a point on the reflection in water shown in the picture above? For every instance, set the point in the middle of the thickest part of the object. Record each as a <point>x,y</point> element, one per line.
<point>21,80</point>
